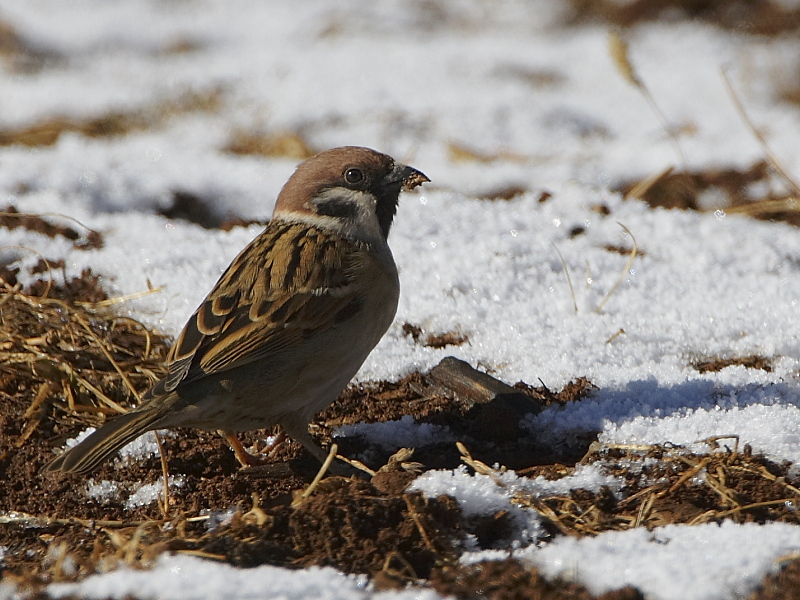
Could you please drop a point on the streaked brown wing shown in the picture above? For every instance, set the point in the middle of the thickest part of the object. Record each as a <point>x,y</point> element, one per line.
<point>249,340</point>
<point>291,280</point>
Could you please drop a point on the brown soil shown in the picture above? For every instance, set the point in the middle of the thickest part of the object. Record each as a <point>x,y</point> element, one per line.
<point>757,191</point>
<point>59,362</point>
<point>785,585</point>
<point>11,218</point>
<point>753,361</point>
<point>762,17</point>
<point>434,340</point>
<point>508,579</point>
<point>285,145</point>
<point>115,123</point>
<point>190,207</point>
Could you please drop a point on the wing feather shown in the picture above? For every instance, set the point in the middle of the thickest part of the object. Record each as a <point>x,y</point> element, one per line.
<point>292,280</point>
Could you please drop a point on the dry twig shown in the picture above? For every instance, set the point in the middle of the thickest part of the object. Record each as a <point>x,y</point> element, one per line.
<point>622,273</point>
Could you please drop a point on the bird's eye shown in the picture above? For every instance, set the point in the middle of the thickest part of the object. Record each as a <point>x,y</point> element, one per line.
<point>353,175</point>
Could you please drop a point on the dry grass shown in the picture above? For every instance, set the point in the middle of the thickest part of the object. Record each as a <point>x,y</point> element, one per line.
<point>757,191</point>
<point>767,190</point>
<point>20,54</point>
<point>11,218</point>
<point>685,189</point>
<point>115,123</point>
<point>677,487</point>
<point>70,356</point>
<point>753,361</point>
<point>458,152</point>
<point>279,145</point>
<point>761,17</point>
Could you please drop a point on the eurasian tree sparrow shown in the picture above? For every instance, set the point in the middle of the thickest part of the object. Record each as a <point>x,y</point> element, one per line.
<point>290,321</point>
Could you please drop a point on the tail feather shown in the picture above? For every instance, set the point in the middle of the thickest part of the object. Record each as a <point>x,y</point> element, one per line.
<point>104,442</point>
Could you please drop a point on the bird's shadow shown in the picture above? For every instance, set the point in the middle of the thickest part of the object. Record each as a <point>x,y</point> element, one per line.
<point>514,433</point>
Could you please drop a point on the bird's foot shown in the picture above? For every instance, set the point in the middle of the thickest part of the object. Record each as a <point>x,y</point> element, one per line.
<point>245,458</point>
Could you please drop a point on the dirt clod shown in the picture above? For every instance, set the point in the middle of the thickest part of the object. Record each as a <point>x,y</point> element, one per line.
<point>717,364</point>
<point>11,218</point>
<point>511,580</point>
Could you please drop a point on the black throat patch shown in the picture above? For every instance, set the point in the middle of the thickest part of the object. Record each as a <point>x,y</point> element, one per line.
<point>387,208</point>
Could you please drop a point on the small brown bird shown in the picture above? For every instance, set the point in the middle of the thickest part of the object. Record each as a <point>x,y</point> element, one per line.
<point>291,319</point>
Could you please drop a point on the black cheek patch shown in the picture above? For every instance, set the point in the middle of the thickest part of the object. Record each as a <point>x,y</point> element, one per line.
<point>336,207</point>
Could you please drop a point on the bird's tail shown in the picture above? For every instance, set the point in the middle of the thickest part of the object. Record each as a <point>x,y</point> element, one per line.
<point>104,442</point>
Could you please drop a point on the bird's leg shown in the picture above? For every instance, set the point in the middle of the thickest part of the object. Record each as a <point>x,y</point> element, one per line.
<point>244,457</point>
<point>275,444</point>
<point>299,433</point>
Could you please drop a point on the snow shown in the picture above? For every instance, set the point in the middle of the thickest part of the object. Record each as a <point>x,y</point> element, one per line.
<point>503,79</point>
<point>704,562</point>
<point>700,562</point>
<point>139,495</point>
<point>480,494</point>
<point>402,433</point>
<point>151,492</point>
<point>195,579</point>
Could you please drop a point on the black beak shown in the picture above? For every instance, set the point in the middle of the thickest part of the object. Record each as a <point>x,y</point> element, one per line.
<point>407,177</point>
<point>400,178</point>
